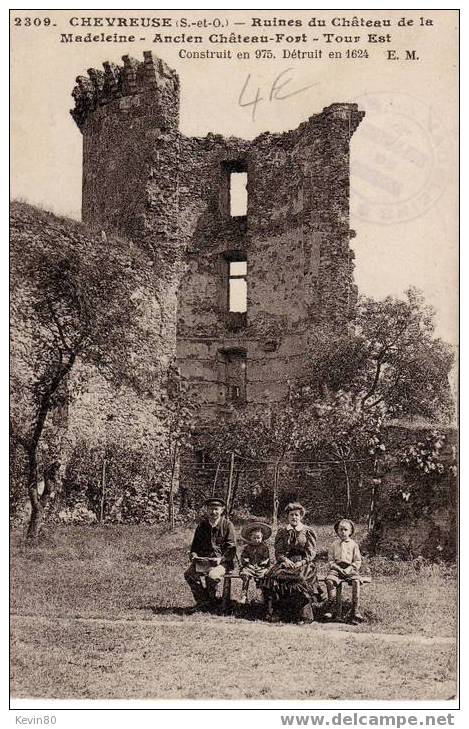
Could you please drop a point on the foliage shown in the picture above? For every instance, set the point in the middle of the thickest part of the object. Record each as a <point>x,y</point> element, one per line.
<point>408,368</point>
<point>77,514</point>
<point>389,362</point>
<point>417,512</point>
<point>389,365</point>
<point>430,471</point>
<point>264,435</point>
<point>76,298</point>
<point>179,410</point>
<point>426,458</point>
<point>259,443</point>
<point>135,483</point>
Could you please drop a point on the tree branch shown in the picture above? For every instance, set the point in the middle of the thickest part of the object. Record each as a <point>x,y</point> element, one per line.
<point>57,323</point>
<point>379,362</point>
<point>45,401</point>
<point>373,387</point>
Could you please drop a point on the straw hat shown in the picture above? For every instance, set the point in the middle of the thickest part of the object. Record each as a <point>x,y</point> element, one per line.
<point>258,526</point>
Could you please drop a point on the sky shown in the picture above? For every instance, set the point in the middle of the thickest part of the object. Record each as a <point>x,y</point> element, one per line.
<point>404,176</point>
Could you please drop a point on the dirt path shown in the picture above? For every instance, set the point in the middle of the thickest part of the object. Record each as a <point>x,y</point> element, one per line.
<point>336,631</point>
<point>175,656</point>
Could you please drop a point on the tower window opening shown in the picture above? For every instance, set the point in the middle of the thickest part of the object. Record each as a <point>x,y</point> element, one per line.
<point>238,193</point>
<point>237,286</point>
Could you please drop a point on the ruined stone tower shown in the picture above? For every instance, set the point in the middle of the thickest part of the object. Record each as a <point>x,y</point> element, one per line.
<point>287,260</point>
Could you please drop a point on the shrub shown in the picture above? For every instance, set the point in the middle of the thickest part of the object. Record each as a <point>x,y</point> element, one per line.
<point>135,484</point>
<point>77,514</point>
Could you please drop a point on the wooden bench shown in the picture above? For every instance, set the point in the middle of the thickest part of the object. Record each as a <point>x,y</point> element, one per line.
<point>364,580</point>
<point>229,576</point>
<point>226,592</point>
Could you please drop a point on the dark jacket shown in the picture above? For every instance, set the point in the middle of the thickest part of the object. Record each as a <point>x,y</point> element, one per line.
<point>297,546</point>
<point>255,554</point>
<point>217,541</point>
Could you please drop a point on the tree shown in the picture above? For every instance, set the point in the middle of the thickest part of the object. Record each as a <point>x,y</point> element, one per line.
<point>388,365</point>
<point>407,369</point>
<point>263,438</point>
<point>337,433</point>
<point>179,410</point>
<point>418,512</point>
<point>76,299</point>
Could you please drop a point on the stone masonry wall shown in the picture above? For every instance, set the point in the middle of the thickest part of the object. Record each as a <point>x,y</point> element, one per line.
<point>98,414</point>
<point>296,240</point>
<point>207,233</point>
<point>169,193</point>
<point>128,116</point>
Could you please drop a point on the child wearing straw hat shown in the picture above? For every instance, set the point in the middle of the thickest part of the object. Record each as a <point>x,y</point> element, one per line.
<point>255,557</point>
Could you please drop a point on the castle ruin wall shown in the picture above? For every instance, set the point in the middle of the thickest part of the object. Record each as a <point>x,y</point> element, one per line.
<point>170,193</point>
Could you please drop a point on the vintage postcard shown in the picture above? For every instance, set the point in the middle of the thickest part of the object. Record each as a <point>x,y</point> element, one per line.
<point>234,358</point>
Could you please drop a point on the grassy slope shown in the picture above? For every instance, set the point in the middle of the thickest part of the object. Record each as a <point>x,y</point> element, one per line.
<point>134,574</point>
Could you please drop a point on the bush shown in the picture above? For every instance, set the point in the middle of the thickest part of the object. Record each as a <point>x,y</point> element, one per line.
<point>135,483</point>
<point>77,514</point>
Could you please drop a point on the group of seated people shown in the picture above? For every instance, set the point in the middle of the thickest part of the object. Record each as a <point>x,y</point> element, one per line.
<point>290,585</point>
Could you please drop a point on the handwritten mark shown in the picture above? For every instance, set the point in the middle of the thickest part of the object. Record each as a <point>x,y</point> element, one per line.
<point>279,83</point>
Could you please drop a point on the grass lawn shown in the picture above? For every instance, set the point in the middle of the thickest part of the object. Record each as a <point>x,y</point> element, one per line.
<point>100,612</point>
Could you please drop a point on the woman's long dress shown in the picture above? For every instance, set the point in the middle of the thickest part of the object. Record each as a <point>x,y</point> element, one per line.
<point>297,585</point>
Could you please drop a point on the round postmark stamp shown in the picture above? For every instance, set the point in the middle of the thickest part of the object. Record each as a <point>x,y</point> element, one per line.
<point>400,159</point>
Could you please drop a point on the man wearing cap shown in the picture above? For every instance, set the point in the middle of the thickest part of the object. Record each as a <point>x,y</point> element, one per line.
<point>212,553</point>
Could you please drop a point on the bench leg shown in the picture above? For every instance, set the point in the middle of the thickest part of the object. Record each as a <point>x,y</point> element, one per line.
<point>338,601</point>
<point>356,595</point>
<point>245,580</point>
<point>226,595</point>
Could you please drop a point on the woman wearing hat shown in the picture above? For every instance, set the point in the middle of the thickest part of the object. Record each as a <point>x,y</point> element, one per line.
<point>291,585</point>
